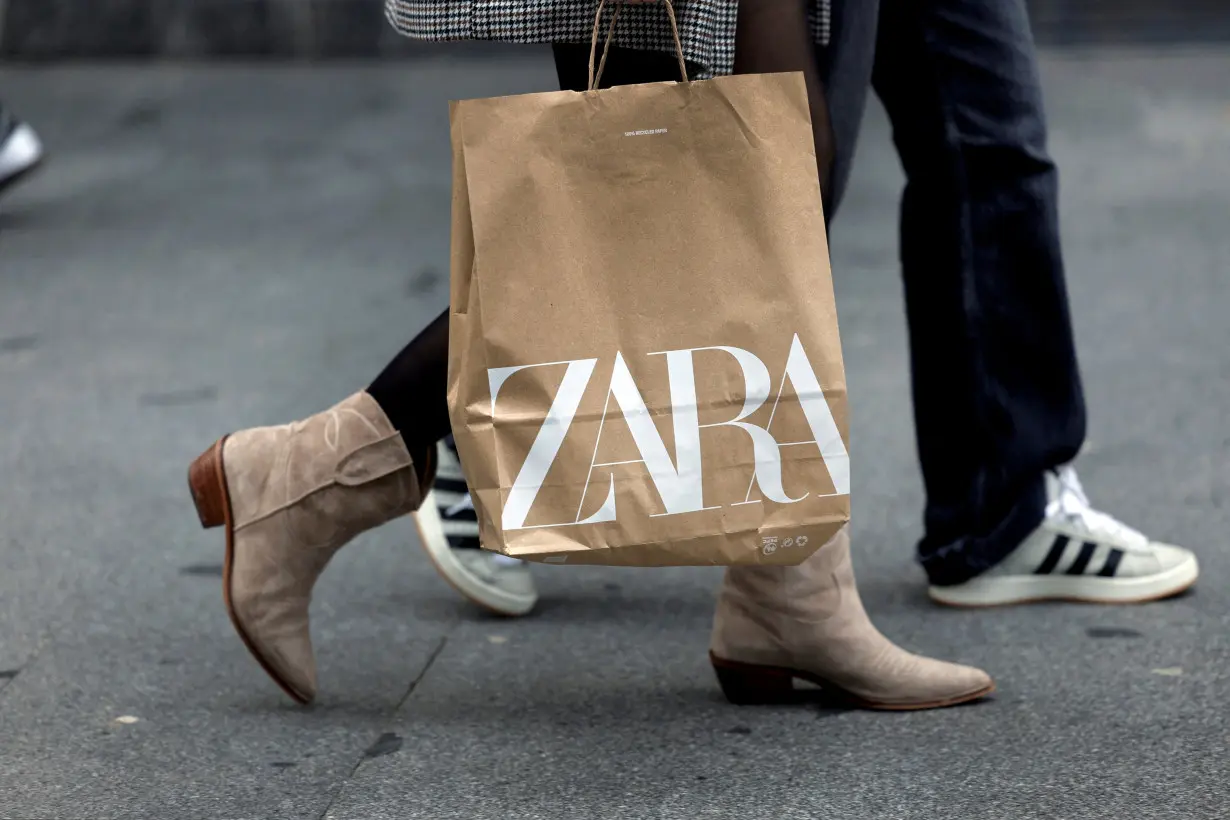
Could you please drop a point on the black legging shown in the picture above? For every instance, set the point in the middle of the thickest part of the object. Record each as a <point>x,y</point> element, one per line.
<point>772,36</point>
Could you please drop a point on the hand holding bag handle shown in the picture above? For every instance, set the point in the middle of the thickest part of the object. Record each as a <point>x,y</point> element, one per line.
<point>596,76</point>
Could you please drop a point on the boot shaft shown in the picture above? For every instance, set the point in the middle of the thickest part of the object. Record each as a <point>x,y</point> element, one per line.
<point>810,590</point>
<point>351,448</point>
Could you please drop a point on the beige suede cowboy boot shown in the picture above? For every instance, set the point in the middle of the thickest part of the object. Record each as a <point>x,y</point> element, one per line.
<point>775,624</point>
<point>290,497</point>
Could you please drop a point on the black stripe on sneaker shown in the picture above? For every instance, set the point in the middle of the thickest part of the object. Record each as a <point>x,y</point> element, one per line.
<point>1082,560</point>
<point>452,485</point>
<point>468,514</point>
<point>460,533</point>
<point>1111,566</point>
<point>1052,558</point>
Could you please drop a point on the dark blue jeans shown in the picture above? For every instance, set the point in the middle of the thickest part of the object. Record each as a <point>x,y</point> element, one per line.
<point>997,391</point>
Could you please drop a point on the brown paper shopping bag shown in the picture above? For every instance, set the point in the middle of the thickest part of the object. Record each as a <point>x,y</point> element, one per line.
<point>644,360</point>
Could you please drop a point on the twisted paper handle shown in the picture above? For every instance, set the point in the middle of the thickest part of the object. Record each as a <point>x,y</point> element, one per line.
<point>596,76</point>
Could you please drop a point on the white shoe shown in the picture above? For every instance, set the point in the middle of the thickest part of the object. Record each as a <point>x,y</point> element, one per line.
<point>448,528</point>
<point>1078,554</point>
<point>20,153</point>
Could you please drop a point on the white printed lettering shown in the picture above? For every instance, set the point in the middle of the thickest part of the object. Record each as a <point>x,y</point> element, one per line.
<point>679,482</point>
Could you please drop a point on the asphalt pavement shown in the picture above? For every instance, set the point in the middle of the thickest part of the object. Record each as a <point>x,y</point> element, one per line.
<point>214,247</point>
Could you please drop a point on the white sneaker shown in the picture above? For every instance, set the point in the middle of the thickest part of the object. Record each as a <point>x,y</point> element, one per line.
<point>1078,554</point>
<point>20,151</point>
<point>448,528</point>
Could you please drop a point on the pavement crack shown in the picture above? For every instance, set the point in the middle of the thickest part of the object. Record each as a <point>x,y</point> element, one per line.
<point>383,744</point>
<point>431,659</point>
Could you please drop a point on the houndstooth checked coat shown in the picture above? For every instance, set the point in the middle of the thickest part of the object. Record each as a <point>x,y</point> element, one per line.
<point>706,27</point>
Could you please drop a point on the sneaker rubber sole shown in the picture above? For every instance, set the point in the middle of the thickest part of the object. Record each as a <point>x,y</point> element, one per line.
<point>435,543</point>
<point>1024,589</point>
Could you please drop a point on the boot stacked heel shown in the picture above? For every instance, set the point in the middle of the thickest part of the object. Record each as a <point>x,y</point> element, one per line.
<point>207,481</point>
<point>745,684</point>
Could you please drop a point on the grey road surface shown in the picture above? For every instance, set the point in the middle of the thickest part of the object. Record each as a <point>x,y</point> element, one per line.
<point>219,247</point>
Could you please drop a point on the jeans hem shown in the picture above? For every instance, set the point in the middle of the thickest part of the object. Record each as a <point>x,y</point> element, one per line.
<point>966,558</point>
